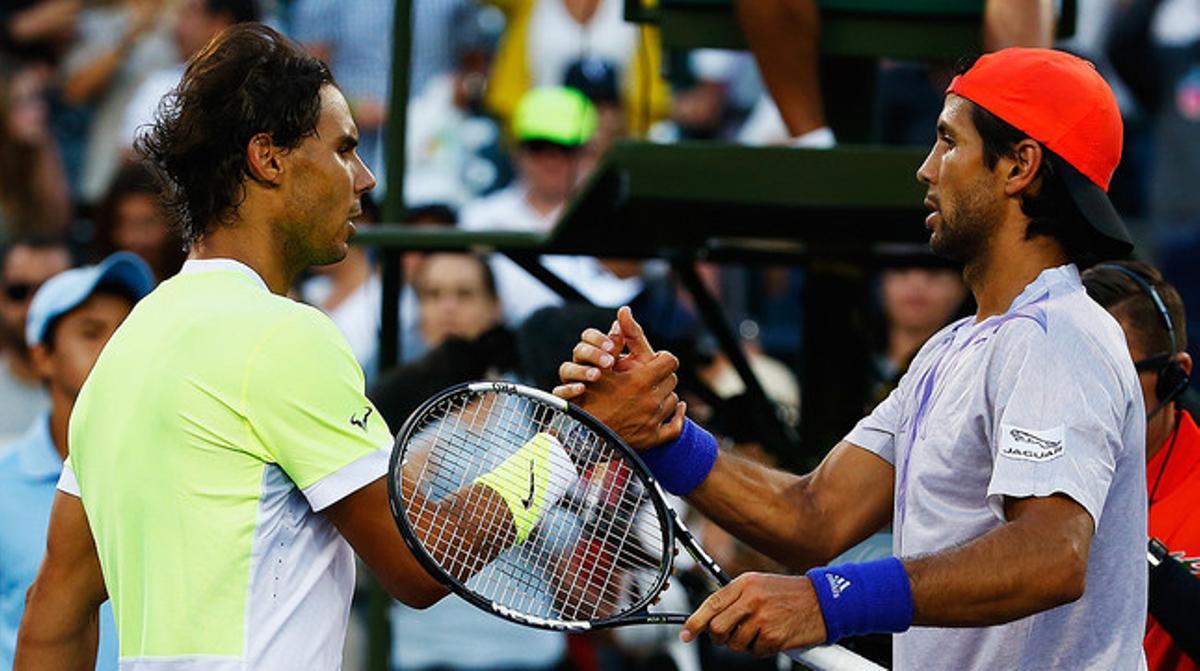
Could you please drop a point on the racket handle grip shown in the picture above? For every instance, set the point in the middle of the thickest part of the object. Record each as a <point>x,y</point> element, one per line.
<point>831,658</point>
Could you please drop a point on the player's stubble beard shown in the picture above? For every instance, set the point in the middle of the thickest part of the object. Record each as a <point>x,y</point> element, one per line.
<point>968,225</point>
<point>308,239</point>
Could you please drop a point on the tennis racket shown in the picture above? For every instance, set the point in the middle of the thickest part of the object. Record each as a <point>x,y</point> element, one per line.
<point>531,509</point>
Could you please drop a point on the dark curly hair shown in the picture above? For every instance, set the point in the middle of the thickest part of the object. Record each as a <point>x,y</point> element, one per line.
<point>249,80</point>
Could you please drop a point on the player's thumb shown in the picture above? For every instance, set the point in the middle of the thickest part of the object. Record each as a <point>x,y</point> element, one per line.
<point>635,337</point>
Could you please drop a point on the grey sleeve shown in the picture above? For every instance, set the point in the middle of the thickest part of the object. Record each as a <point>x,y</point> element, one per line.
<point>1058,419</point>
<point>877,431</point>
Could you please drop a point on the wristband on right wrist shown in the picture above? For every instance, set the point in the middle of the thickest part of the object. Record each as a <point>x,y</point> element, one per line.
<point>867,598</point>
<point>682,464</point>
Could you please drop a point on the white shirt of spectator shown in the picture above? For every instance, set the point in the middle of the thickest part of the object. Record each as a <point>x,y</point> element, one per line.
<point>1040,400</point>
<point>101,28</point>
<point>521,294</point>
<point>143,106</point>
<point>556,39</point>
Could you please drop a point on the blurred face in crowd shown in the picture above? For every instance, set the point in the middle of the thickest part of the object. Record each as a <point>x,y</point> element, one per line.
<point>550,170</point>
<point>410,262</point>
<point>25,269</point>
<point>610,125</point>
<point>921,299</point>
<point>26,112</point>
<point>140,226</point>
<point>325,182</point>
<point>196,26</point>
<point>966,197</point>
<point>455,298</point>
<point>77,337</point>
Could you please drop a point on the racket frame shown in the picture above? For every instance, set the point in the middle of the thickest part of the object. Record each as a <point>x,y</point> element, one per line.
<point>671,526</point>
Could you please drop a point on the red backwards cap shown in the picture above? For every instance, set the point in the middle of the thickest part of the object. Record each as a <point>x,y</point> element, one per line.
<point>1062,102</point>
<point>1055,98</point>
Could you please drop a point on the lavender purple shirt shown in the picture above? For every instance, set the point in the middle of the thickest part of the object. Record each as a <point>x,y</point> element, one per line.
<point>1040,400</point>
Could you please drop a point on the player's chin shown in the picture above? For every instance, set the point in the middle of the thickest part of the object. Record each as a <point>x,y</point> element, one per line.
<point>332,254</point>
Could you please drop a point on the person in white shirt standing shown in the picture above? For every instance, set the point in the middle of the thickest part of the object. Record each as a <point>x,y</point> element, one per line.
<point>551,126</point>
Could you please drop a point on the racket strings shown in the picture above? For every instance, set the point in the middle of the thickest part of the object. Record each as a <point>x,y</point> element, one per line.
<point>595,554</point>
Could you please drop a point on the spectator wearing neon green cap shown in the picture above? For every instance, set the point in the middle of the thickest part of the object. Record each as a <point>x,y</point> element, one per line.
<point>551,126</point>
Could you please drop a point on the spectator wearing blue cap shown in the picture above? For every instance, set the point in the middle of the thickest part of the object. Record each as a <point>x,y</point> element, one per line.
<point>70,319</point>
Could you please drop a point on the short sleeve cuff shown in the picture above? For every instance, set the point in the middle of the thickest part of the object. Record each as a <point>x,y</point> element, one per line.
<point>67,483</point>
<point>880,443</point>
<point>347,480</point>
<point>998,491</point>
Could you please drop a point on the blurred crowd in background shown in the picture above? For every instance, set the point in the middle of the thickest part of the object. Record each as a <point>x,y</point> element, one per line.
<point>511,104</point>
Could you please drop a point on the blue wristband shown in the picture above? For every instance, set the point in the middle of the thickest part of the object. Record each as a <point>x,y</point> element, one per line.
<point>872,597</point>
<point>682,464</point>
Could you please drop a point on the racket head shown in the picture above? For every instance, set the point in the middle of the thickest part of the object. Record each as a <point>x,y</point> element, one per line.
<point>607,467</point>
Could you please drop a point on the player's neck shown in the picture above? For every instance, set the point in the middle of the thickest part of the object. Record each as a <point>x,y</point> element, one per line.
<point>252,246</point>
<point>1008,265</point>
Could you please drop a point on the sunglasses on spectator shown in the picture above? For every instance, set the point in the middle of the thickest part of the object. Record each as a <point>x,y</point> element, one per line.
<point>546,146</point>
<point>19,292</point>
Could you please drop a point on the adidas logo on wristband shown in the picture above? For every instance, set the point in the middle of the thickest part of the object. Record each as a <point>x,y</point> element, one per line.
<point>837,584</point>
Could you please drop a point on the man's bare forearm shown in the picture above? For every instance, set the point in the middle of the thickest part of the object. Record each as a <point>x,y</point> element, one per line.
<point>472,526</point>
<point>760,506</point>
<point>801,521</point>
<point>53,636</point>
<point>1033,563</point>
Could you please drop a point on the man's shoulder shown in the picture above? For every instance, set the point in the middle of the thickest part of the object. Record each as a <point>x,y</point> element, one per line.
<point>224,298</point>
<point>1058,319</point>
<point>214,324</point>
<point>1067,335</point>
<point>295,332</point>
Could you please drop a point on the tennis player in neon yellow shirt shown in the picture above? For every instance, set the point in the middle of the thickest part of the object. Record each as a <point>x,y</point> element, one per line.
<point>223,455</point>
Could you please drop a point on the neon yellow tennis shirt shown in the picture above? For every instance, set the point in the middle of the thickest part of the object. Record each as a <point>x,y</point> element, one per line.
<point>218,420</point>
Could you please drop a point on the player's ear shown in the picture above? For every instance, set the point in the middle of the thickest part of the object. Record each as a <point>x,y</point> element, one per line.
<point>264,159</point>
<point>1022,167</point>
<point>1185,361</point>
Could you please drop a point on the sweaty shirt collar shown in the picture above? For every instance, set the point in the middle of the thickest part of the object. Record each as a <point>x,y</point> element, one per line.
<point>206,265</point>
<point>1065,275</point>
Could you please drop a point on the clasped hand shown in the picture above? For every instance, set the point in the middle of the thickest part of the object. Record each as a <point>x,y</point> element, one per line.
<point>632,392</point>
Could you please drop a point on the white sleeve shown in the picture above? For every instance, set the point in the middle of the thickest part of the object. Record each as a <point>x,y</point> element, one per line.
<point>1060,408</point>
<point>877,431</point>
<point>347,479</point>
<point>67,484</point>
